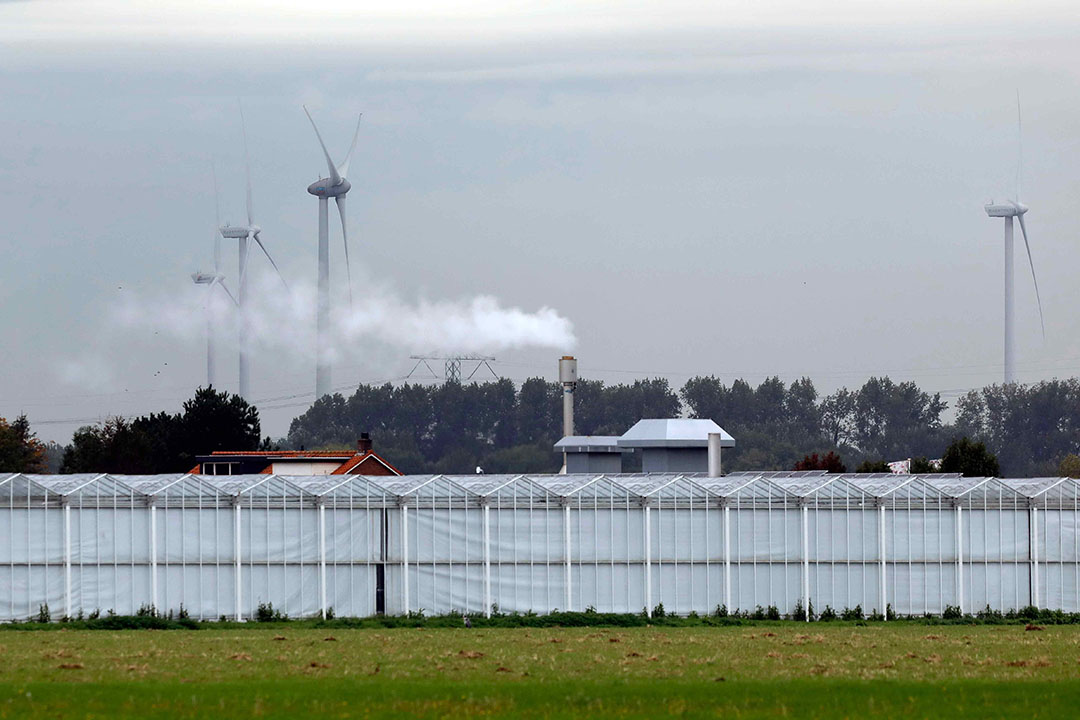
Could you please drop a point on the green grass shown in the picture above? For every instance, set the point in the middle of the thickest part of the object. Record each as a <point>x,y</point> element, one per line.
<point>829,670</point>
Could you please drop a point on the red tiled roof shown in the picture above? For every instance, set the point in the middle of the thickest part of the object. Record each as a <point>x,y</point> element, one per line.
<point>351,460</point>
<point>359,459</point>
<point>288,454</point>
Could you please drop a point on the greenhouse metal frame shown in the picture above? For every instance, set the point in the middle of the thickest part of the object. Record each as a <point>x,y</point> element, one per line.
<point>221,546</point>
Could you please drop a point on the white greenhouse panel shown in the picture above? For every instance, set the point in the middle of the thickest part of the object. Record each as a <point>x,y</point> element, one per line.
<point>221,546</point>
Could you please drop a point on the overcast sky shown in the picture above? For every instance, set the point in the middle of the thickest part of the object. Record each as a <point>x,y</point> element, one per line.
<point>747,190</point>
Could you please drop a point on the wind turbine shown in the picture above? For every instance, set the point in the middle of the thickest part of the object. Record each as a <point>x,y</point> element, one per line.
<point>210,280</point>
<point>243,233</point>
<point>1014,209</point>
<point>335,186</point>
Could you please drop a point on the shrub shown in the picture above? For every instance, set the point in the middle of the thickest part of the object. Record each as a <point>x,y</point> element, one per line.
<point>721,611</point>
<point>266,613</point>
<point>146,611</point>
<point>659,611</point>
<point>952,612</point>
<point>799,613</point>
<point>183,614</point>
<point>828,614</point>
<point>43,615</point>
<point>772,613</point>
<point>854,613</point>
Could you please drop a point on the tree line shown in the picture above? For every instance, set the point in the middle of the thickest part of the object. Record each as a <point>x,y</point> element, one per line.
<point>502,427</point>
<point>777,425</point>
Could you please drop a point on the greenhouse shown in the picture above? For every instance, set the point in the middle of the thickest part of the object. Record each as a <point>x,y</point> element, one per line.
<point>221,546</point>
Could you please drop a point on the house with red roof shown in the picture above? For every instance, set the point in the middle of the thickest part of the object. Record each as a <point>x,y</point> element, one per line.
<point>362,461</point>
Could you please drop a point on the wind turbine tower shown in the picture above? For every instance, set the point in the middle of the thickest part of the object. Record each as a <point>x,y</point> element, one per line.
<point>1008,210</point>
<point>336,186</point>
<point>243,233</point>
<point>210,280</point>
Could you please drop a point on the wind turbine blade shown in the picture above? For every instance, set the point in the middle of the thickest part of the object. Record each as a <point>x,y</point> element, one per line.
<point>1019,145</point>
<point>217,220</point>
<point>1023,229</point>
<point>345,240</point>
<point>343,170</point>
<point>271,259</point>
<point>227,292</point>
<point>247,164</point>
<point>335,177</point>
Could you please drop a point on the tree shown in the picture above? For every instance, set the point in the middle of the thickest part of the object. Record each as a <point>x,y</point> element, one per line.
<point>830,462</point>
<point>1028,427</point>
<point>896,419</point>
<point>212,421</point>
<point>922,466</point>
<point>20,449</point>
<point>872,466</point>
<point>113,447</point>
<point>1069,466</point>
<point>160,442</point>
<point>837,417</point>
<point>969,458</point>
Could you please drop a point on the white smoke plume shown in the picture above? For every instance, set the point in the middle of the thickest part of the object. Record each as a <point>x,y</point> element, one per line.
<point>284,321</point>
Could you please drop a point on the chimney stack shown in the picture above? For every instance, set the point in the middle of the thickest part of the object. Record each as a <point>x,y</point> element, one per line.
<point>715,469</point>
<point>363,445</point>
<point>568,378</point>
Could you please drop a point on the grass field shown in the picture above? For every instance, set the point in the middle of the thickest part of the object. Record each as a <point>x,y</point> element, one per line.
<point>279,671</point>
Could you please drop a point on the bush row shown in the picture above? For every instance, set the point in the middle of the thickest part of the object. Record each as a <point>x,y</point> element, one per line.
<point>147,618</point>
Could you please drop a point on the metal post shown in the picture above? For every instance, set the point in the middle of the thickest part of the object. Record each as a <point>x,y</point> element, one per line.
<point>727,559</point>
<point>405,557</point>
<point>884,589</point>
<point>806,558</point>
<point>236,542</point>
<point>322,558</point>
<point>648,561</point>
<point>1035,599</point>
<point>487,560</point>
<point>959,560</point>
<point>153,557</point>
<point>67,558</point>
<point>566,526</point>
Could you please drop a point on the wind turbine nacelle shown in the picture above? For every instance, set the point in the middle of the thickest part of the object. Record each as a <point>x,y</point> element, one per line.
<point>325,188</point>
<point>234,231</point>
<point>1005,209</point>
<point>202,278</point>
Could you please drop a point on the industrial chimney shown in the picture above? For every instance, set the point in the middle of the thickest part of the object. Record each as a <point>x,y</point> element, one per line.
<point>568,378</point>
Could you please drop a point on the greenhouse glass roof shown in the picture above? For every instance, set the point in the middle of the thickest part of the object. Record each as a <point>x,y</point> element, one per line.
<point>475,489</point>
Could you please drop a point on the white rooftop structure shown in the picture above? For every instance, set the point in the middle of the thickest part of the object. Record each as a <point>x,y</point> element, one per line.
<point>673,433</point>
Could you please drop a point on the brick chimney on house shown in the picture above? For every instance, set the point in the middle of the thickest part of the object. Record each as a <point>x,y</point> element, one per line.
<point>363,445</point>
